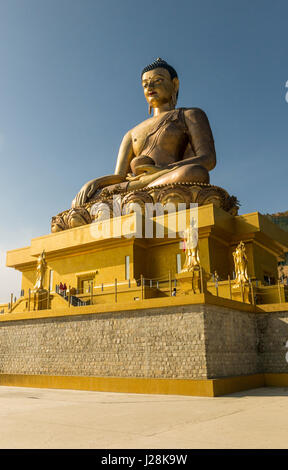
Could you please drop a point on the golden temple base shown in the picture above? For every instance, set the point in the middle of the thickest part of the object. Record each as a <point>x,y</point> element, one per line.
<point>204,388</point>
<point>121,329</point>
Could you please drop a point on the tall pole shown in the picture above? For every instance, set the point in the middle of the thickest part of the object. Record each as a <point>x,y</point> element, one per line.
<point>142,287</point>
<point>201,280</point>
<point>49,281</point>
<point>279,292</point>
<point>230,290</point>
<point>252,293</point>
<point>242,293</point>
<point>49,288</point>
<point>91,293</point>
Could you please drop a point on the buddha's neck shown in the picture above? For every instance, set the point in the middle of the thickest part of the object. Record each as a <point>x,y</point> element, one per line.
<point>162,109</point>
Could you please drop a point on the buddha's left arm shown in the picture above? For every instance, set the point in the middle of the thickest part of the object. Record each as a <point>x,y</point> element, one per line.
<point>201,139</point>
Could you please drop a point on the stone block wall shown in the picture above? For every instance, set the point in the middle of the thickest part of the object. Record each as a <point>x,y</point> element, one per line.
<point>167,343</point>
<point>273,342</point>
<point>230,342</point>
<point>189,342</point>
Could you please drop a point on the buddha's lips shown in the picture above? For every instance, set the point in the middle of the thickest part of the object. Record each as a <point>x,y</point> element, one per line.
<point>151,93</point>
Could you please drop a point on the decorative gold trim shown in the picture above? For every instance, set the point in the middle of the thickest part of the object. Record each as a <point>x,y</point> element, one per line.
<point>86,273</point>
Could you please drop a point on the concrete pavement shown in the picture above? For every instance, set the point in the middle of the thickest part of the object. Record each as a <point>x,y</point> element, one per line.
<point>69,419</point>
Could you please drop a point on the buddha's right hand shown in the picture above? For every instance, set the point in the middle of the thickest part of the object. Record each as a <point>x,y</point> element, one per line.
<point>89,189</point>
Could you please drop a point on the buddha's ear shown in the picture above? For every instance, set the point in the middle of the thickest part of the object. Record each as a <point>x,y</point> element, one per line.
<point>176,84</point>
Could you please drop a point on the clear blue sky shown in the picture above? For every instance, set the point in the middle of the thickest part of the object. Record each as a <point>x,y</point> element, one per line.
<point>70,89</point>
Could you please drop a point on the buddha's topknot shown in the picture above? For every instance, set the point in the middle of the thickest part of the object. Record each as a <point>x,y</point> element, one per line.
<point>160,63</point>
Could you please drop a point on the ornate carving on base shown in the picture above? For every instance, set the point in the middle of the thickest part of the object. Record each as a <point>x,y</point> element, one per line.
<point>113,203</point>
<point>78,217</point>
<point>136,200</point>
<point>58,223</point>
<point>70,219</point>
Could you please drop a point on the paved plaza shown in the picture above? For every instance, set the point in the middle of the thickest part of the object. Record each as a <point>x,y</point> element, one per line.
<point>69,419</point>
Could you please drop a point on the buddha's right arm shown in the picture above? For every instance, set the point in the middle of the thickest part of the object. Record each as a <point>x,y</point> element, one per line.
<point>125,156</point>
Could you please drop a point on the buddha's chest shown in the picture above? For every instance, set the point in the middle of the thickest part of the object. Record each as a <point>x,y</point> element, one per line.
<point>165,133</point>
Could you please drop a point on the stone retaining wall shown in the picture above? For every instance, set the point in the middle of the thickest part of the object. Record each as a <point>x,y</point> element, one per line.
<point>231,342</point>
<point>273,342</point>
<point>156,343</point>
<point>189,342</point>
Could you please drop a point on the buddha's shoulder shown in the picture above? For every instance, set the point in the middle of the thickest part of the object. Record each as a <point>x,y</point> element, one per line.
<point>196,113</point>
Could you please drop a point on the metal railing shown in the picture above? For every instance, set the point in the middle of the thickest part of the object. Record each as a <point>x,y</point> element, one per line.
<point>253,292</point>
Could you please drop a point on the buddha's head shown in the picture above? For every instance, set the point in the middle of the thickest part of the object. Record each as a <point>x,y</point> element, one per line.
<point>161,84</point>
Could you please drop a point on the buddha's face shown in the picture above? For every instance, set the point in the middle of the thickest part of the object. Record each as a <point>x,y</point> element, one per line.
<point>159,87</point>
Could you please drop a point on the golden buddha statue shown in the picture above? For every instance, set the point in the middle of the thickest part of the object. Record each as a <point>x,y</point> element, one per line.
<point>40,271</point>
<point>240,264</point>
<point>172,147</point>
<point>192,260</point>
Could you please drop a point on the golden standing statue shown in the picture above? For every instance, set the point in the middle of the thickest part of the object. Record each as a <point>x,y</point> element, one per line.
<point>241,264</point>
<point>174,145</point>
<point>192,260</point>
<point>40,271</point>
